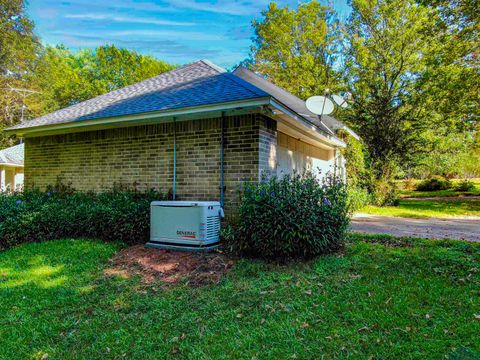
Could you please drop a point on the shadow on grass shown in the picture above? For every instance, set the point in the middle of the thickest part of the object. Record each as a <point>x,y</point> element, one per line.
<point>51,264</point>
<point>383,298</point>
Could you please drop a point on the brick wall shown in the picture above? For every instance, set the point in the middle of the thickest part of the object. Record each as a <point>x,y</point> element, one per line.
<point>268,148</point>
<point>142,157</point>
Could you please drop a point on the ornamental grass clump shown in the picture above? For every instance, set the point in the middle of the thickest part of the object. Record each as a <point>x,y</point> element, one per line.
<point>296,216</point>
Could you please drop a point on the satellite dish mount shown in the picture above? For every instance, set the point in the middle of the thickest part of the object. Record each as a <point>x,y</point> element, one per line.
<point>325,105</point>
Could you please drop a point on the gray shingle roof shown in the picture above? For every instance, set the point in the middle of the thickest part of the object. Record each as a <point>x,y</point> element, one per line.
<point>199,83</point>
<point>13,155</point>
<point>294,103</point>
<point>196,84</point>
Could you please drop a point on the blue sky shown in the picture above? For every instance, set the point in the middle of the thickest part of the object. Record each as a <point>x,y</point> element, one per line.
<point>178,31</point>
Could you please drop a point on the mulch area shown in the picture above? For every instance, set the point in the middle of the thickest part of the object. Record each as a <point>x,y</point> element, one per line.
<point>170,267</point>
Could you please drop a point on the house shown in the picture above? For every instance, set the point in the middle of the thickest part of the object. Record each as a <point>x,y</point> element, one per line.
<point>11,168</point>
<point>197,132</point>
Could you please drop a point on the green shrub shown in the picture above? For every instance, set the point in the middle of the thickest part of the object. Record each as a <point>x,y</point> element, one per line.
<point>434,184</point>
<point>357,198</point>
<point>465,186</point>
<point>409,184</point>
<point>35,216</point>
<point>292,217</point>
<point>384,193</point>
<point>227,235</point>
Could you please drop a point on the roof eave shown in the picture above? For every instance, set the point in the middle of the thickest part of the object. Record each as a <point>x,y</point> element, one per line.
<point>136,119</point>
<point>154,117</point>
<point>310,128</point>
<point>351,132</point>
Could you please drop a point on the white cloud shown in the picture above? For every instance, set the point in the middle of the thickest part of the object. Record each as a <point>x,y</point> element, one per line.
<point>230,7</point>
<point>130,5</point>
<point>169,34</point>
<point>126,19</point>
<point>155,34</point>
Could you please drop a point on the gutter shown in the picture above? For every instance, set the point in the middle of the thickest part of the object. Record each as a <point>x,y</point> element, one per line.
<point>222,160</point>
<point>180,114</point>
<point>351,132</point>
<point>174,185</point>
<point>133,120</point>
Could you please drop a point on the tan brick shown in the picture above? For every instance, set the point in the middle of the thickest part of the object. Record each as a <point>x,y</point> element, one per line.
<point>142,157</point>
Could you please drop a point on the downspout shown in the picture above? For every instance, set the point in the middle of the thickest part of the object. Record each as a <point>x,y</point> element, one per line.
<point>222,165</point>
<point>174,187</point>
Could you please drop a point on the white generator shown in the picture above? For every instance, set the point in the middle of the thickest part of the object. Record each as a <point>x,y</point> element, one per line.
<point>185,225</point>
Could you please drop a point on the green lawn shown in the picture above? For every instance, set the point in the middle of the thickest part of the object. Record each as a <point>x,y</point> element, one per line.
<point>382,298</point>
<point>428,208</point>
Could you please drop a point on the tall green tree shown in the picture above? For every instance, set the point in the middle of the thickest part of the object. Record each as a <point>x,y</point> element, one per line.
<point>18,51</point>
<point>384,60</point>
<point>18,43</point>
<point>298,49</point>
<point>413,68</point>
<point>452,80</point>
<point>65,78</point>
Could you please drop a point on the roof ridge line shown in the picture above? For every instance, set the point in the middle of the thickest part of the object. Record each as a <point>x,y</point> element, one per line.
<point>245,84</point>
<point>212,65</point>
<point>241,67</point>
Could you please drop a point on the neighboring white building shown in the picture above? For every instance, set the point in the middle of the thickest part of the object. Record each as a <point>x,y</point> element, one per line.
<point>11,168</point>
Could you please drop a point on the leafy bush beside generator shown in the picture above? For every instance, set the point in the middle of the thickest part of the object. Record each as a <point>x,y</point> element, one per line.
<point>292,217</point>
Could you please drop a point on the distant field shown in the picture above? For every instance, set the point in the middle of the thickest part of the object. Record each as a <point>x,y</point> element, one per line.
<point>428,208</point>
<point>451,203</point>
<point>450,192</point>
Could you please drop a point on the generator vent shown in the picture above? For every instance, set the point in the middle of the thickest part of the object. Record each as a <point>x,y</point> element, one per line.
<point>213,226</point>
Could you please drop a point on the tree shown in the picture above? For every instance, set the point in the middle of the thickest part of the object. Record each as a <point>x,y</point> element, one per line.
<point>461,16</point>
<point>66,78</point>
<point>18,49</point>
<point>17,41</point>
<point>444,157</point>
<point>298,50</point>
<point>453,77</point>
<point>386,41</point>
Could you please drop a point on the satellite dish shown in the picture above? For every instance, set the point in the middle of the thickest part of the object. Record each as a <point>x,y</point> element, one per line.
<point>320,105</point>
<point>340,101</point>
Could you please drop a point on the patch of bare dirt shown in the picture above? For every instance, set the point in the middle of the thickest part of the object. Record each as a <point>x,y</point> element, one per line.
<point>170,267</point>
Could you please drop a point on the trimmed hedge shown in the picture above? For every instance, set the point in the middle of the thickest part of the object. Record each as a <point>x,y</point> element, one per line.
<point>35,216</point>
<point>292,217</point>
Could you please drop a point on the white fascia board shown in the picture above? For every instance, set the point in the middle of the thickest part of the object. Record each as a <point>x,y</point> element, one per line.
<point>351,132</point>
<point>136,120</point>
<point>312,129</point>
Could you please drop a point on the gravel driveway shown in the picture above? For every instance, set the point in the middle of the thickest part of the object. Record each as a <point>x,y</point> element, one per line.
<point>464,228</point>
